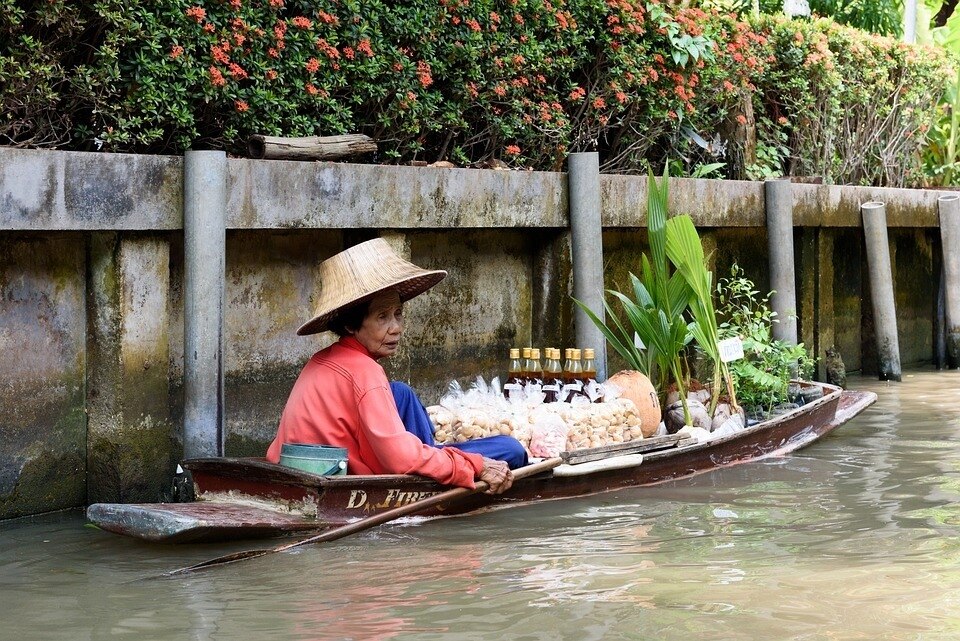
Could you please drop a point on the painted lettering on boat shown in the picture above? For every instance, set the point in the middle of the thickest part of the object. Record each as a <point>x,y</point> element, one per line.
<point>394,498</point>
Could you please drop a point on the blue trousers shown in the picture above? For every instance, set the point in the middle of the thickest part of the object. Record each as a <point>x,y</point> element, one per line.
<point>415,419</point>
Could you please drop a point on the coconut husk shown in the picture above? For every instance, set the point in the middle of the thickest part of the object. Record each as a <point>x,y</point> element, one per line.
<point>638,388</point>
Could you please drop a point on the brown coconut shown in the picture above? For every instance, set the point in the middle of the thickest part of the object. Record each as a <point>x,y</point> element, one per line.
<point>638,388</point>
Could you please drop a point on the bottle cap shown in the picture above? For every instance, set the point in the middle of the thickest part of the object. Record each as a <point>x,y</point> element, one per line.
<point>535,353</point>
<point>526,352</point>
<point>514,353</point>
<point>576,354</point>
<point>589,353</point>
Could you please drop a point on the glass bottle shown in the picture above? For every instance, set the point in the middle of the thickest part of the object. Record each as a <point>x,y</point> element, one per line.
<point>536,368</point>
<point>589,368</point>
<point>526,366</point>
<point>552,376</point>
<point>567,360</point>
<point>514,373</point>
<point>588,365</point>
<point>574,376</point>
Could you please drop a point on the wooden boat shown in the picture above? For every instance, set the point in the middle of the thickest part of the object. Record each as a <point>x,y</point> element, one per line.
<point>239,498</point>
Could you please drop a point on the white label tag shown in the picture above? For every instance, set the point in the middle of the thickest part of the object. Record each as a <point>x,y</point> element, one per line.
<point>637,342</point>
<point>731,349</point>
<point>573,387</point>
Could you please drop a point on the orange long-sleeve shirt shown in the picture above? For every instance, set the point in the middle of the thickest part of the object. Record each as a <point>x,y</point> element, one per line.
<point>342,397</point>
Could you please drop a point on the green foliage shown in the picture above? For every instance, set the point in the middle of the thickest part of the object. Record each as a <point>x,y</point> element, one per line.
<point>762,376</point>
<point>772,152</point>
<point>686,253</point>
<point>940,156</point>
<point>525,82</point>
<point>883,17</point>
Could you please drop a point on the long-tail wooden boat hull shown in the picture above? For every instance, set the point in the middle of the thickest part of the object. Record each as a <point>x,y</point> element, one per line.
<point>248,498</point>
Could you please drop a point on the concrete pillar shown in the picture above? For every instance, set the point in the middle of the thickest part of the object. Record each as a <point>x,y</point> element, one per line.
<point>586,233</point>
<point>130,452</point>
<point>779,209</point>
<point>949,206</point>
<point>881,290</point>
<point>204,248</point>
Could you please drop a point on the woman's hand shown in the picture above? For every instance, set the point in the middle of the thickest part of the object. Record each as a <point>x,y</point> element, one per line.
<point>497,475</point>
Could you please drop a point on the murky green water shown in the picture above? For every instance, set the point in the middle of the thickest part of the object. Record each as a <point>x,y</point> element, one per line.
<point>857,537</point>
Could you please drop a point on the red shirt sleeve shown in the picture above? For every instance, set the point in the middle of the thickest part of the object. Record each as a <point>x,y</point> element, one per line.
<point>400,452</point>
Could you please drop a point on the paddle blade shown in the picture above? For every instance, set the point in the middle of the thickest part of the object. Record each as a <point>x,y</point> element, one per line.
<point>221,560</point>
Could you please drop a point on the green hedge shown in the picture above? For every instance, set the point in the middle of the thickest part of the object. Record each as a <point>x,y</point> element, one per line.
<point>519,81</point>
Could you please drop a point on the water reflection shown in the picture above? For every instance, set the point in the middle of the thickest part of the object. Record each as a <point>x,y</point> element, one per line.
<point>857,537</point>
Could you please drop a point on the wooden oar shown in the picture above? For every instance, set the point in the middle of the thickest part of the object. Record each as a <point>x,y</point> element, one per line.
<point>371,521</point>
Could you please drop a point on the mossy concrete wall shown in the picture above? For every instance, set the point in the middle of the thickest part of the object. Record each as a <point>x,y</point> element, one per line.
<point>91,296</point>
<point>130,441</point>
<point>43,431</point>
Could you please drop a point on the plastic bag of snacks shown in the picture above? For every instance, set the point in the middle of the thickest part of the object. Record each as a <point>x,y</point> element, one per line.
<point>548,433</point>
<point>599,424</point>
<point>478,412</point>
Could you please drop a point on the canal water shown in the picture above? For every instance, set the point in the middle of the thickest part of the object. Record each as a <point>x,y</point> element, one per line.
<point>856,537</point>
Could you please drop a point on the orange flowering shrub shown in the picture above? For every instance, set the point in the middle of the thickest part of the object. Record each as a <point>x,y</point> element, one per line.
<point>520,81</point>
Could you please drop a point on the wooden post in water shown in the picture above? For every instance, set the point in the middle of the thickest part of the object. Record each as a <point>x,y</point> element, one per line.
<point>586,234</point>
<point>778,202</point>
<point>949,208</point>
<point>204,253</point>
<point>881,290</point>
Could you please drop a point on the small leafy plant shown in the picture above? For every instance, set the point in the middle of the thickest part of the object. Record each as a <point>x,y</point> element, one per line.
<point>762,377</point>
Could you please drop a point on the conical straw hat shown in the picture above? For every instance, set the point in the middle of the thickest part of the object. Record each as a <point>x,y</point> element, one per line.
<point>359,273</point>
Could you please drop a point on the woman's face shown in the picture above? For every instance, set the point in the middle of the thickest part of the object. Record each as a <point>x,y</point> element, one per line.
<point>381,328</point>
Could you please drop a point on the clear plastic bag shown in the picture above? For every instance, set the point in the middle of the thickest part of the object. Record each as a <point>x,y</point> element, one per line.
<point>548,434</point>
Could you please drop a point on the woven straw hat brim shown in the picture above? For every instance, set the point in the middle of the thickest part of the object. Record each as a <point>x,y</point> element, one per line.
<point>359,273</point>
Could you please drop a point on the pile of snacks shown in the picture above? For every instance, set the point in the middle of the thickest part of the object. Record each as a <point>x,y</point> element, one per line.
<point>545,429</point>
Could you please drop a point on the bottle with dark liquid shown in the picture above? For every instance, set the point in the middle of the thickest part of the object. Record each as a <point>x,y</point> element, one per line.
<point>552,376</point>
<point>536,369</point>
<point>589,368</point>
<point>573,376</point>
<point>514,373</point>
<point>526,366</point>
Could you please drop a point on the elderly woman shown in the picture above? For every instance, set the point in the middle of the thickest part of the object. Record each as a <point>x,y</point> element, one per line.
<point>343,397</point>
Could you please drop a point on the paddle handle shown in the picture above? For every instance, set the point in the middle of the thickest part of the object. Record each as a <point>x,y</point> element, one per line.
<point>417,506</point>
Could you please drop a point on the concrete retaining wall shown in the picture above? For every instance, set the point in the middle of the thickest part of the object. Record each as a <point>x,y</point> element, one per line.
<point>91,296</point>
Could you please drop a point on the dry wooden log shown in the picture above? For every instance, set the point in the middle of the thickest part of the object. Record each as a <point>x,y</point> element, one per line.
<point>311,148</point>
